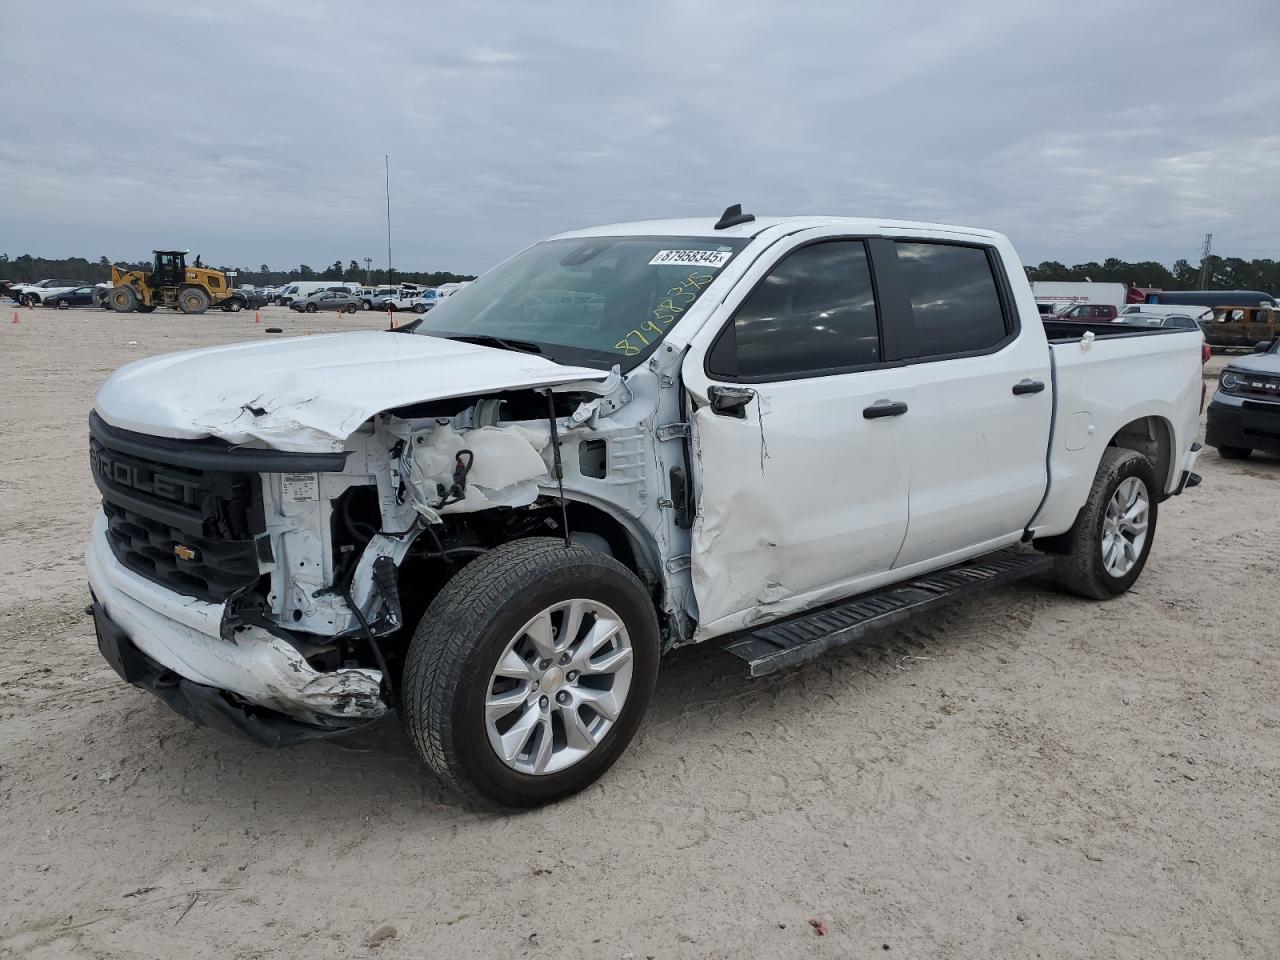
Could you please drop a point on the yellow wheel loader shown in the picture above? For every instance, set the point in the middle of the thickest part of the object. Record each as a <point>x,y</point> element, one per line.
<point>171,283</point>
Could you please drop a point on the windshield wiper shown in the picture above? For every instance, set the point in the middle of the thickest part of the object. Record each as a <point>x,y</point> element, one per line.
<point>488,340</point>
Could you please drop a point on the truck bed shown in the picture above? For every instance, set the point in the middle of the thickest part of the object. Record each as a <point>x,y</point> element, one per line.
<point>1069,331</point>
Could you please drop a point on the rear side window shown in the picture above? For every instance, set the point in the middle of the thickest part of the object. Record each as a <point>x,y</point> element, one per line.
<point>814,312</point>
<point>955,303</point>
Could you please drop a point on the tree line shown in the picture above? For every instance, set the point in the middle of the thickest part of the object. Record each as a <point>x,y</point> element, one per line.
<point>29,269</point>
<point>1223,273</point>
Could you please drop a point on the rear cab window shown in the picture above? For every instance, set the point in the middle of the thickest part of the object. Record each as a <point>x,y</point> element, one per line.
<point>956,305</point>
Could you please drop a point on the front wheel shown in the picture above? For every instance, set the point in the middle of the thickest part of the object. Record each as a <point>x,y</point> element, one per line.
<point>62,305</point>
<point>349,308</point>
<point>1115,530</point>
<point>236,305</point>
<point>530,672</point>
<point>311,308</point>
<point>193,300</point>
<point>1235,453</point>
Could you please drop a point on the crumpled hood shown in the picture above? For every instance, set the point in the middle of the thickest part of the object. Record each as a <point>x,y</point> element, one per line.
<point>310,393</point>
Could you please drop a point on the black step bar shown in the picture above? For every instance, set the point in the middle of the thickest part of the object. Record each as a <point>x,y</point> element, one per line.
<point>809,635</point>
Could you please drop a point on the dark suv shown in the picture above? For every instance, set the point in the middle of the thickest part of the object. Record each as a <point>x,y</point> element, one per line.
<point>1245,412</point>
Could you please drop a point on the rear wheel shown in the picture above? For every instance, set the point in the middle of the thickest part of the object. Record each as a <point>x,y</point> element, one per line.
<point>1115,530</point>
<point>1235,453</point>
<point>122,299</point>
<point>28,300</point>
<point>530,672</point>
<point>193,300</point>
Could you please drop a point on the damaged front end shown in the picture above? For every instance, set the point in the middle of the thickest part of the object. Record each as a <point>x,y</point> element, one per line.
<point>278,589</point>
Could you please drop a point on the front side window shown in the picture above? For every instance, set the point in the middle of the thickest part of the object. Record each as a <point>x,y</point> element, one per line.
<point>955,304</point>
<point>814,313</point>
<point>596,301</point>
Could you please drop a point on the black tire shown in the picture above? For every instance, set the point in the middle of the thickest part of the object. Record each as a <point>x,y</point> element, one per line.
<point>1235,453</point>
<point>311,308</point>
<point>193,300</point>
<point>1082,570</point>
<point>28,300</point>
<point>122,299</point>
<point>143,308</point>
<point>349,308</point>
<point>61,304</point>
<point>466,629</point>
<point>419,308</point>
<point>366,304</point>
<point>236,305</point>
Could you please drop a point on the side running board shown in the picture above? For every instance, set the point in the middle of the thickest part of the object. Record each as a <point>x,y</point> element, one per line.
<point>808,635</point>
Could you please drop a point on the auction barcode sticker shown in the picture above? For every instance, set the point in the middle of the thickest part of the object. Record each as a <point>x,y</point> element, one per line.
<point>697,258</point>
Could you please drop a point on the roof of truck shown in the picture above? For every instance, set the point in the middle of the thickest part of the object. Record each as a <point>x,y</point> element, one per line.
<point>706,227</point>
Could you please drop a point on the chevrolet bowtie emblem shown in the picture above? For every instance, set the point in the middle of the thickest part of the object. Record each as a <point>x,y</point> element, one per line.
<point>183,552</point>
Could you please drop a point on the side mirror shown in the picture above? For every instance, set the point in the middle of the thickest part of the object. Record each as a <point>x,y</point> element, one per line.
<point>1262,346</point>
<point>730,401</point>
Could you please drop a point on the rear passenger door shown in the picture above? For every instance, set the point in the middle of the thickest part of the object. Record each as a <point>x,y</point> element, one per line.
<point>978,429</point>
<point>800,459</point>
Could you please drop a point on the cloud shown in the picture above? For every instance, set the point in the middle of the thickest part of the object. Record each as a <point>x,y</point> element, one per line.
<point>1083,131</point>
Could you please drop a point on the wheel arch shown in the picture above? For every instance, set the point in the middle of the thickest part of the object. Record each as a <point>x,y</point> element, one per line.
<point>1151,436</point>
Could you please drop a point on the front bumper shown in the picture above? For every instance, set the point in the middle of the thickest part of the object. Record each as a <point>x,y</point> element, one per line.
<point>1248,424</point>
<point>257,683</point>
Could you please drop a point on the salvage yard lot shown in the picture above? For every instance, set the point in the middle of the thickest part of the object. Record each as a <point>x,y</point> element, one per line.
<point>1023,774</point>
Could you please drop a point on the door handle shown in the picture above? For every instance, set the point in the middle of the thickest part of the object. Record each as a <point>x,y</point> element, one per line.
<point>730,401</point>
<point>884,408</point>
<point>1027,386</point>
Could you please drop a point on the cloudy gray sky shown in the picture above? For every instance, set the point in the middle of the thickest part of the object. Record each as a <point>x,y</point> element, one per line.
<point>254,131</point>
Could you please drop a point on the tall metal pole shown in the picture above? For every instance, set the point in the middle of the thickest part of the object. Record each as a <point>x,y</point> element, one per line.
<point>386,158</point>
<point>1204,260</point>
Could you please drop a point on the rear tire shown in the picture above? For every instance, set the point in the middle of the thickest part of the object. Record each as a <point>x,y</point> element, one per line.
<point>451,675</point>
<point>1235,453</point>
<point>193,300</point>
<point>122,299</point>
<point>1114,532</point>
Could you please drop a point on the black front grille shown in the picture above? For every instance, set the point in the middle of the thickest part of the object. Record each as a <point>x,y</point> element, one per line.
<point>1259,385</point>
<point>187,528</point>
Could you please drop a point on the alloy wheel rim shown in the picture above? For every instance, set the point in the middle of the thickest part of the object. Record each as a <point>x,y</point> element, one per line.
<point>559,687</point>
<point>1124,527</point>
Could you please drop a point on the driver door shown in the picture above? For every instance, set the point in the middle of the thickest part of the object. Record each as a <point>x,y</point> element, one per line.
<point>799,457</point>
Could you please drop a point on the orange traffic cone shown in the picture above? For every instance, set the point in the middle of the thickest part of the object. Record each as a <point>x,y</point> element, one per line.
<point>257,317</point>
<point>15,317</point>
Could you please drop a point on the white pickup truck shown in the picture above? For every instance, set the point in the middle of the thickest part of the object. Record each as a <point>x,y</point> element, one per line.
<point>775,433</point>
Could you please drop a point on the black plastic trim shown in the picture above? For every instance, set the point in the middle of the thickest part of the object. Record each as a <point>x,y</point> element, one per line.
<point>213,454</point>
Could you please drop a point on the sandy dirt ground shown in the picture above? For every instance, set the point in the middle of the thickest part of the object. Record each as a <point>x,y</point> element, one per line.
<point>1023,775</point>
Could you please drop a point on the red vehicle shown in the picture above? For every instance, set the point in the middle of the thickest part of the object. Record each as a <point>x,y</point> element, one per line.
<point>1090,313</point>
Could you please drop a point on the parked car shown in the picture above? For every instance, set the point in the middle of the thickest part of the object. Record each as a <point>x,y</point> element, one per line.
<point>403,301</point>
<point>1244,414</point>
<point>300,289</point>
<point>246,298</point>
<point>87,296</point>
<point>1180,321</point>
<point>341,300</point>
<point>1164,310</point>
<point>34,294</point>
<point>502,517</point>
<point>1090,313</point>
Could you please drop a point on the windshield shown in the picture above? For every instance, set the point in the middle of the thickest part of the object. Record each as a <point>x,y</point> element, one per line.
<point>596,301</point>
